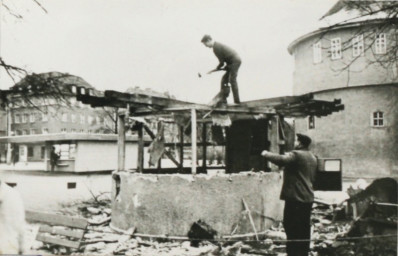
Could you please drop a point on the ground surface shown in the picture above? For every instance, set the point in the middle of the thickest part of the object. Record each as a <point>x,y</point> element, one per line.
<point>102,240</point>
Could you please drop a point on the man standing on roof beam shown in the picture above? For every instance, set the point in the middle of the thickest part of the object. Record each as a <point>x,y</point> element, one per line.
<point>228,57</point>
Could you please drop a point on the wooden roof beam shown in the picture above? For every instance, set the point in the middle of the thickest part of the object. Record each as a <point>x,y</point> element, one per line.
<point>142,99</point>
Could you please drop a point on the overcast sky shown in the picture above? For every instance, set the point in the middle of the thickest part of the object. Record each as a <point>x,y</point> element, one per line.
<point>117,44</point>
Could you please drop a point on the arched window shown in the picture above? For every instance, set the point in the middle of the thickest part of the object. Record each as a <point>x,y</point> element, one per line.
<point>378,119</point>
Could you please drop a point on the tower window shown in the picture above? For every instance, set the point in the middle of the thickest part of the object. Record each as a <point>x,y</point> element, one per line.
<point>357,46</point>
<point>311,122</point>
<point>336,48</point>
<point>381,44</point>
<point>378,119</point>
<point>317,48</point>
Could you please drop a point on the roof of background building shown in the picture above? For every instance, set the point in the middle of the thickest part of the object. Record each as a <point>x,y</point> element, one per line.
<point>50,83</point>
<point>65,78</point>
<point>349,13</point>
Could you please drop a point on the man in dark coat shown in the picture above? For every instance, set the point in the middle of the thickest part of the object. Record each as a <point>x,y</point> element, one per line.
<point>297,191</point>
<point>230,61</point>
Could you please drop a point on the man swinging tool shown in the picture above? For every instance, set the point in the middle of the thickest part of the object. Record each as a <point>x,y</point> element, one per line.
<point>227,56</point>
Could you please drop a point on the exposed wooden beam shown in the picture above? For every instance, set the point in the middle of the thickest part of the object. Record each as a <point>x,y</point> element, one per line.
<point>194,140</point>
<point>166,152</point>
<point>121,143</point>
<point>142,99</point>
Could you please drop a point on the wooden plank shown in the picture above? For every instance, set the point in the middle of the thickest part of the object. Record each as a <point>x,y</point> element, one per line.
<point>166,151</point>
<point>277,101</point>
<point>204,146</point>
<point>142,99</point>
<point>121,143</point>
<point>193,140</point>
<point>59,241</point>
<point>76,233</point>
<point>56,219</point>
<point>181,130</point>
<point>140,160</point>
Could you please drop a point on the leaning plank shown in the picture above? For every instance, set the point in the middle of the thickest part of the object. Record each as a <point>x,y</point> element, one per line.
<point>60,231</point>
<point>58,241</point>
<point>56,219</point>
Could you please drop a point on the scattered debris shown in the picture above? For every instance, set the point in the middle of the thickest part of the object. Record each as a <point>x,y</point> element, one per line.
<point>331,235</point>
<point>200,230</point>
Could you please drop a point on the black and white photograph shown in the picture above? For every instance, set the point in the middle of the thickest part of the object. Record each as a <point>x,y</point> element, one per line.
<point>199,127</point>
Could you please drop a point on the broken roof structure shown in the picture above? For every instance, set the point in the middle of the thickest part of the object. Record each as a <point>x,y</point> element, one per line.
<point>141,105</point>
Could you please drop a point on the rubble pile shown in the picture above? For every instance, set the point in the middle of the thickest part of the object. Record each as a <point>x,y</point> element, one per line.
<point>334,232</point>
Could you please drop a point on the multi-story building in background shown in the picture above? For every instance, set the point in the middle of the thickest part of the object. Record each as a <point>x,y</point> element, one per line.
<point>57,110</point>
<point>349,61</point>
<point>46,104</point>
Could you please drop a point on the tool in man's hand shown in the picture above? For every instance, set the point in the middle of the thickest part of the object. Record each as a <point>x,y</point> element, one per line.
<point>211,71</point>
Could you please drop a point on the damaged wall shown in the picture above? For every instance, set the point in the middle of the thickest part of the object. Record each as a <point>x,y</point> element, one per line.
<point>170,204</point>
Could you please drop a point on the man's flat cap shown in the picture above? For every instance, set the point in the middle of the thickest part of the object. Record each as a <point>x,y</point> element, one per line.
<point>206,38</point>
<point>304,139</point>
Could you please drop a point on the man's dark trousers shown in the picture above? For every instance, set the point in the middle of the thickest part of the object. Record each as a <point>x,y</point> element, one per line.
<point>230,77</point>
<point>297,224</point>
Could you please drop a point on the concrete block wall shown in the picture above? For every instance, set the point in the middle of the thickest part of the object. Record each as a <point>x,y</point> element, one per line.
<point>170,204</point>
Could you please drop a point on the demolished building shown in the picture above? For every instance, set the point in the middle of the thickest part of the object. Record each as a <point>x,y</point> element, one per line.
<point>167,201</point>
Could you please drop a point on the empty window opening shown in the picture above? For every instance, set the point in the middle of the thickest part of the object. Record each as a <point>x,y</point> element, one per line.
<point>71,185</point>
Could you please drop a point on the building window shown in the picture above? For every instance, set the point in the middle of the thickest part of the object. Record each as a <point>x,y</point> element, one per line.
<point>64,117</point>
<point>71,185</point>
<point>18,132</point>
<point>74,91</point>
<point>378,119</point>
<point>90,120</point>
<point>25,132</point>
<point>381,44</point>
<point>311,122</point>
<point>38,117</point>
<point>317,51</point>
<point>30,151</point>
<point>32,118</point>
<point>33,131</point>
<point>25,118</point>
<point>17,119</point>
<point>357,46</point>
<point>81,130</point>
<point>336,48</point>
<point>45,130</point>
<point>82,119</point>
<point>44,117</point>
<point>63,130</point>
<point>42,152</point>
<point>73,118</point>
<point>98,120</point>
